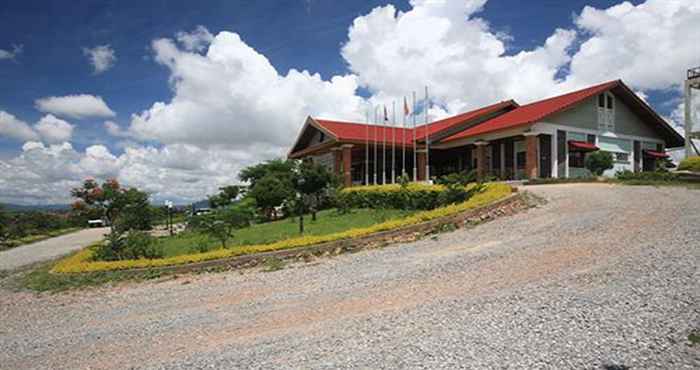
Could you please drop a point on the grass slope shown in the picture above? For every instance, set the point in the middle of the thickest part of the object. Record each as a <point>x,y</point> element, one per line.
<point>327,222</point>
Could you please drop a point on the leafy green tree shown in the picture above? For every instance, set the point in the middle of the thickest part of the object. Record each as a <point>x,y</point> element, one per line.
<point>284,169</point>
<point>135,212</point>
<point>598,162</point>
<point>222,223</point>
<point>271,191</point>
<point>313,181</point>
<point>226,196</point>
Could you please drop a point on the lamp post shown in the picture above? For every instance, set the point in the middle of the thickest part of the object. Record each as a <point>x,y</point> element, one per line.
<point>169,205</point>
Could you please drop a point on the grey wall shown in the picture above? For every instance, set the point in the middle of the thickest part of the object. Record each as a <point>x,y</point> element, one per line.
<point>585,115</point>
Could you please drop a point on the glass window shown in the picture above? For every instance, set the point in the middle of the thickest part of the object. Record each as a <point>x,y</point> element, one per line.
<point>601,100</point>
<point>577,159</point>
<point>610,101</point>
<point>621,157</point>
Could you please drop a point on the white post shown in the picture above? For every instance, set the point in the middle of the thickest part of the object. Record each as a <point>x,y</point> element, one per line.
<point>375,145</point>
<point>427,138</point>
<point>403,139</point>
<point>415,155</point>
<point>393,142</point>
<point>367,148</point>
<point>384,124</point>
<point>688,121</point>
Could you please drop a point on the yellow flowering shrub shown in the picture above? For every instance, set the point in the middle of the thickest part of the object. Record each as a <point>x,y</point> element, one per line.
<point>82,261</point>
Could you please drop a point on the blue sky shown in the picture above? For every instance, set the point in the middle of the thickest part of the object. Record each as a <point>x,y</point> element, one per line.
<point>297,34</point>
<point>306,35</point>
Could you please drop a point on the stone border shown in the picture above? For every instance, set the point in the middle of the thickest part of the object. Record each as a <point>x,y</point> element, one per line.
<point>506,206</point>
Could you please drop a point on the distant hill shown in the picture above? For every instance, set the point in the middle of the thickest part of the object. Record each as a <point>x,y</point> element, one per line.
<point>39,207</point>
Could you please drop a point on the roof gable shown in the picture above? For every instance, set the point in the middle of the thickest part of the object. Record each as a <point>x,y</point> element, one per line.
<point>534,112</point>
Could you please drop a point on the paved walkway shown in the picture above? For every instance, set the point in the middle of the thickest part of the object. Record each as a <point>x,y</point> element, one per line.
<point>49,248</point>
<point>601,277</point>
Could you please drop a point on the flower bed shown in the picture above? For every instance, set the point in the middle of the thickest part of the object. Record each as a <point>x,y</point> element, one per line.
<point>82,261</point>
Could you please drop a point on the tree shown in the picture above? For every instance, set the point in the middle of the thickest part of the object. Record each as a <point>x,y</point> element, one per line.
<point>225,197</point>
<point>270,192</point>
<point>104,198</point>
<point>221,223</point>
<point>313,180</point>
<point>598,162</point>
<point>135,211</point>
<point>284,169</point>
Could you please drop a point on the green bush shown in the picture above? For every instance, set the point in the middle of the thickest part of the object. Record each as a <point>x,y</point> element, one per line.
<point>459,178</point>
<point>690,164</point>
<point>413,196</point>
<point>127,246</point>
<point>646,176</point>
<point>598,162</point>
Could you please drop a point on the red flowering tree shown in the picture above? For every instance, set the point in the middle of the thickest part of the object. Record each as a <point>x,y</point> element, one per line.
<point>106,198</point>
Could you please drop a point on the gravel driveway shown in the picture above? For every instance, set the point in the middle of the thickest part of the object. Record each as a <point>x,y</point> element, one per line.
<point>50,248</point>
<point>601,277</point>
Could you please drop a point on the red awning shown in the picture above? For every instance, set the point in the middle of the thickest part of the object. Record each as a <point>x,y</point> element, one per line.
<point>582,146</point>
<point>655,154</point>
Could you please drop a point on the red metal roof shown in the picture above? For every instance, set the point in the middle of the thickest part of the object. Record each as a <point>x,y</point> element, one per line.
<point>583,146</point>
<point>443,124</point>
<point>352,131</point>
<point>533,112</point>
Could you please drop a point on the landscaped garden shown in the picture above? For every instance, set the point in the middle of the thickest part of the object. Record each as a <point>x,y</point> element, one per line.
<point>288,205</point>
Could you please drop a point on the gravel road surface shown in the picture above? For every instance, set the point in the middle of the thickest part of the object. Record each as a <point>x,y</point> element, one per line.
<point>601,277</point>
<point>49,249</point>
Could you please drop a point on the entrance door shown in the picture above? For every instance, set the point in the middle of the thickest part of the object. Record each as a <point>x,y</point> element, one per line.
<point>545,156</point>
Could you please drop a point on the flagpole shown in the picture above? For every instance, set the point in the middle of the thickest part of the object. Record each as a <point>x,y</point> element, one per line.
<point>427,138</point>
<point>415,148</point>
<point>367,146</point>
<point>384,124</point>
<point>375,144</point>
<point>403,138</point>
<point>393,142</point>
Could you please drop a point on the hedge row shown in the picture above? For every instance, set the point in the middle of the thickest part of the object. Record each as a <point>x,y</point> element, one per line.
<point>82,261</point>
<point>646,176</point>
<point>690,164</point>
<point>412,196</point>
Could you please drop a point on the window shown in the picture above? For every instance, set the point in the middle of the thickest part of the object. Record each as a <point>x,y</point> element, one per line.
<point>321,137</point>
<point>606,112</point>
<point>577,159</point>
<point>621,157</point>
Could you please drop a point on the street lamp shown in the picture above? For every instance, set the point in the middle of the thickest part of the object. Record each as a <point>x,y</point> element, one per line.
<point>169,205</point>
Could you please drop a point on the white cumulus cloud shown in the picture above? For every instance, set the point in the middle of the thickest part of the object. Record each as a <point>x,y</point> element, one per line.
<point>75,106</point>
<point>232,97</point>
<point>11,54</point>
<point>15,129</point>
<point>196,40</point>
<point>54,130</point>
<point>101,58</point>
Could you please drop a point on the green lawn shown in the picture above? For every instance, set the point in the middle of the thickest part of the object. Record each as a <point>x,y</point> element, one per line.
<point>327,222</point>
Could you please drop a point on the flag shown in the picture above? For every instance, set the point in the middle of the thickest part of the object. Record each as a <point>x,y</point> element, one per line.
<point>406,110</point>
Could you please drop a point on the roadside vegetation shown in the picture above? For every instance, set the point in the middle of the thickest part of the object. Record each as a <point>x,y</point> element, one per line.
<point>24,227</point>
